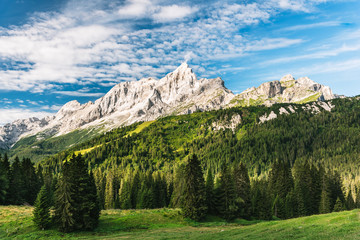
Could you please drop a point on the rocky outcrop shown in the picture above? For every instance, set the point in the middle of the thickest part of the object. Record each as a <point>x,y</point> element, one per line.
<point>11,132</point>
<point>287,90</point>
<point>227,123</point>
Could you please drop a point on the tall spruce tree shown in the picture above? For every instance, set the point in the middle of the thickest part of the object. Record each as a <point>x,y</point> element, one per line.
<point>243,189</point>
<point>338,206</point>
<point>350,204</point>
<point>357,200</point>
<point>135,188</point>
<point>17,187</point>
<point>194,201</point>
<point>31,182</point>
<point>109,199</point>
<point>209,188</point>
<point>325,200</point>
<point>125,194</point>
<point>4,180</point>
<point>260,200</point>
<point>77,206</point>
<point>280,185</point>
<point>302,186</point>
<point>41,212</point>
<point>227,203</point>
<point>64,202</point>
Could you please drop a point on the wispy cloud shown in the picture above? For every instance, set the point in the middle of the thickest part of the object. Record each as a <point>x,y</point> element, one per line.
<point>10,115</point>
<point>312,25</point>
<point>316,55</point>
<point>79,93</point>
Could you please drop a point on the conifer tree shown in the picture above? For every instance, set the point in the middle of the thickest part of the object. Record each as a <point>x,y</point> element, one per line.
<point>194,201</point>
<point>77,206</point>
<point>260,200</point>
<point>179,186</point>
<point>146,195</point>
<point>209,189</point>
<point>357,200</point>
<point>100,182</point>
<point>280,184</point>
<point>302,186</point>
<point>135,188</point>
<point>243,189</point>
<point>4,180</point>
<point>226,199</point>
<point>159,190</point>
<point>16,182</point>
<point>125,194</point>
<point>3,187</point>
<point>350,204</point>
<point>31,182</point>
<point>41,212</point>
<point>325,200</point>
<point>290,205</point>
<point>90,207</point>
<point>338,206</point>
<point>109,191</point>
<point>315,188</point>
<point>336,187</point>
<point>64,203</point>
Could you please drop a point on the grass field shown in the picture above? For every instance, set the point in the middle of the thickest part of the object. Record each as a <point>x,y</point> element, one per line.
<point>16,223</point>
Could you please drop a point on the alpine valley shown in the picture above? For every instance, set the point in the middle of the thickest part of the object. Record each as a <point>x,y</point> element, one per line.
<point>286,149</point>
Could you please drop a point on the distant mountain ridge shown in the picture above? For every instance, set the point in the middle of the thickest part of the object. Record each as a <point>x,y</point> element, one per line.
<point>179,92</point>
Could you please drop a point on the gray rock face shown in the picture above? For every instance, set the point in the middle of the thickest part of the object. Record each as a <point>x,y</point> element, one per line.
<point>11,132</point>
<point>287,90</point>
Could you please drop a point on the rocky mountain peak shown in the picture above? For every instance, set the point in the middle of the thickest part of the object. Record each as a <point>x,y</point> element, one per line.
<point>287,78</point>
<point>183,75</point>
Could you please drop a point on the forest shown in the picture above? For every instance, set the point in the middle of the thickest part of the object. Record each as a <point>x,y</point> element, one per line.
<point>295,165</point>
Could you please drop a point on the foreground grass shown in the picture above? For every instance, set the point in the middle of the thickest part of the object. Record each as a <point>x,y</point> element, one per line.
<point>16,223</point>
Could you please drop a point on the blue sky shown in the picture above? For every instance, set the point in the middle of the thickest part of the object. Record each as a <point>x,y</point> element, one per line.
<point>54,51</point>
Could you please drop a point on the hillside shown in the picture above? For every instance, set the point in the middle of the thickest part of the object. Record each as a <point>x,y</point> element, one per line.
<point>15,223</point>
<point>238,134</point>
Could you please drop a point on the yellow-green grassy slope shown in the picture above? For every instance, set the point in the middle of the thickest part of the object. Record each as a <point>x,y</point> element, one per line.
<point>16,223</point>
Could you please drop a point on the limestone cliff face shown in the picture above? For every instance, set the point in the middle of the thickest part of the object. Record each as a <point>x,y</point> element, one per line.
<point>287,90</point>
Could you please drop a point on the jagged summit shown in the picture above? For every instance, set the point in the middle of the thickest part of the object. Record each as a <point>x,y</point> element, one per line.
<point>179,92</point>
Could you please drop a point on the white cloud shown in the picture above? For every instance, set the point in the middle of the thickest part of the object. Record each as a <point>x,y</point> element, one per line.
<point>272,43</point>
<point>312,25</point>
<point>79,93</point>
<point>10,115</point>
<point>173,12</point>
<point>317,55</point>
<point>294,5</point>
<point>135,9</point>
<point>330,67</point>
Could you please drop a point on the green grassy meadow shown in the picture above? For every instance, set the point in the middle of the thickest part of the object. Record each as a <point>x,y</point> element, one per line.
<point>16,223</point>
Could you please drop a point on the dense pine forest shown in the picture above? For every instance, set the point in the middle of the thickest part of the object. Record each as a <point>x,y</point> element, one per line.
<point>298,164</point>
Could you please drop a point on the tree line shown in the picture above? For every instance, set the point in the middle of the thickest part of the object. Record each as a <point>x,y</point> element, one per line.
<point>78,193</point>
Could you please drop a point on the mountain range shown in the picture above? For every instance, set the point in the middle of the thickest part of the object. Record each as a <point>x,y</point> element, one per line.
<point>179,92</point>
